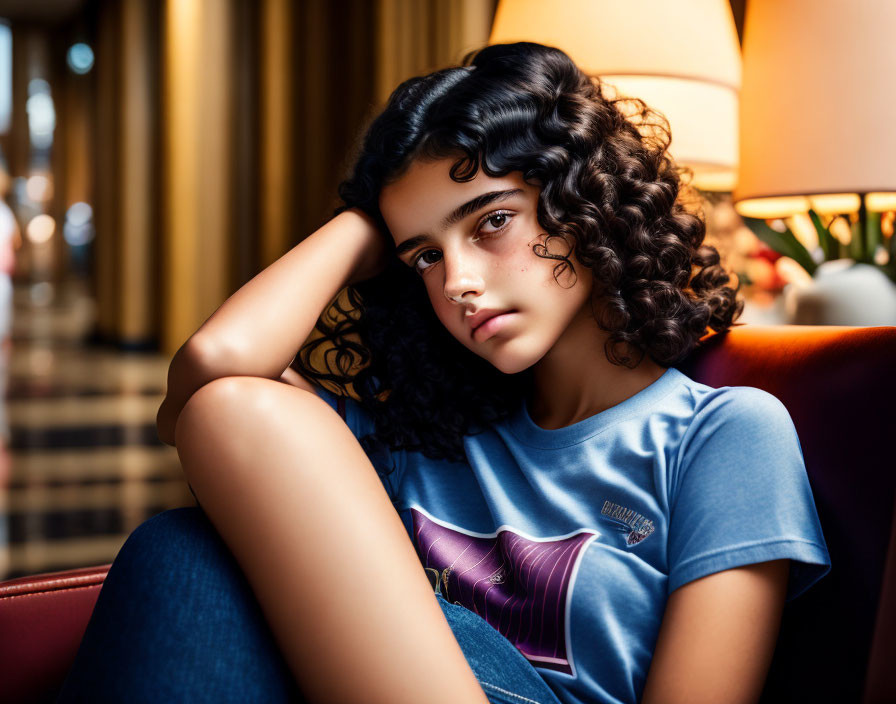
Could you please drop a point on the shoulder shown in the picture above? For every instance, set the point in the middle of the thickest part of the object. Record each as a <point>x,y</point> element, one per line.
<point>739,490</point>
<point>733,401</point>
<point>735,411</point>
<point>693,404</point>
<point>738,435</point>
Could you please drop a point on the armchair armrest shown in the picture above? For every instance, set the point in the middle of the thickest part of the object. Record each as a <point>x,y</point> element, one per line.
<point>42,620</point>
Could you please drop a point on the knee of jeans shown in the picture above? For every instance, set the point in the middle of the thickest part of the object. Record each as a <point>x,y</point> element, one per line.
<point>172,521</point>
<point>175,534</point>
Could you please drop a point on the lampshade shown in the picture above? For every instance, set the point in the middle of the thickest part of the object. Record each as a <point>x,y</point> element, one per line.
<point>817,107</point>
<point>681,58</point>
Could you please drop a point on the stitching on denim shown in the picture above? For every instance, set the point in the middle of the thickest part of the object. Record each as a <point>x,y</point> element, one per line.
<point>509,694</point>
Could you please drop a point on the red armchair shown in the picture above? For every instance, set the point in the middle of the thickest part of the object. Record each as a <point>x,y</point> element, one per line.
<point>837,641</point>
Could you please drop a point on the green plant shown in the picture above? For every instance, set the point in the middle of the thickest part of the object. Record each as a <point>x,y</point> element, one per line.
<point>866,237</point>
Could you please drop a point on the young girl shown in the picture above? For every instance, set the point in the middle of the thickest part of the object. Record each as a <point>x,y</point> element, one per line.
<point>507,491</point>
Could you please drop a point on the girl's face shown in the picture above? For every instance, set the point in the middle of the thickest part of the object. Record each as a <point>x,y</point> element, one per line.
<point>472,245</point>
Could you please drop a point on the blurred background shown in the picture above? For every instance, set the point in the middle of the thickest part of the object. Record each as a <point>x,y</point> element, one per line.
<point>157,154</point>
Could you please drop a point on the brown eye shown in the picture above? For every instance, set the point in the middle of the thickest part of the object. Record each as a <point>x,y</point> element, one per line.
<point>420,258</point>
<point>501,216</point>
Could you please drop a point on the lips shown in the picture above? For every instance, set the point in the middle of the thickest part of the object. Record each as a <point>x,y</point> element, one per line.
<point>479,318</point>
<point>483,316</point>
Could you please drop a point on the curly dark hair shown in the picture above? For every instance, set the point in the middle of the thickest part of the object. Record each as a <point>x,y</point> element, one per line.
<point>607,184</point>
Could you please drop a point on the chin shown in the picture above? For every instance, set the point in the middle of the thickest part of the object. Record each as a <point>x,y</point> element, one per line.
<point>510,369</point>
<point>510,356</point>
<point>512,362</point>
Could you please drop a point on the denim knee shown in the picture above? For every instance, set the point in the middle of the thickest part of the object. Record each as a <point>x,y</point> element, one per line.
<point>176,620</point>
<point>177,562</point>
<point>188,528</point>
<point>161,551</point>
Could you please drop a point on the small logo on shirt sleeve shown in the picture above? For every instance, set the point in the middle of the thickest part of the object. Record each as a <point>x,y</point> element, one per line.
<point>639,526</point>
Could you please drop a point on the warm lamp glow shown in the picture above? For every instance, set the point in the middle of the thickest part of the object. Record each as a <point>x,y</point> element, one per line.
<point>835,203</point>
<point>802,228</point>
<point>778,207</point>
<point>682,59</point>
<point>840,229</point>
<point>708,146</point>
<point>823,203</point>
<point>816,98</point>
<point>880,202</point>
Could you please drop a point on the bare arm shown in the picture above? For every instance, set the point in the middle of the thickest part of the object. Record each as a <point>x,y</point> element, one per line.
<point>293,378</point>
<point>259,329</point>
<point>718,636</point>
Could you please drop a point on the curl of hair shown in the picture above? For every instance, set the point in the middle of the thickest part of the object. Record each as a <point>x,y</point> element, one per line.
<point>608,186</point>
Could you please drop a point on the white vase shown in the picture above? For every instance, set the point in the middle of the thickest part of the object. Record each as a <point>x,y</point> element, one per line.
<point>842,292</point>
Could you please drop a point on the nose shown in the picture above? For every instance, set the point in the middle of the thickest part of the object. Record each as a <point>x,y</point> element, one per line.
<point>461,276</point>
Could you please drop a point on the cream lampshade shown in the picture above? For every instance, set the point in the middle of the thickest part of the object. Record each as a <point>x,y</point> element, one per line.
<point>681,58</point>
<point>817,107</point>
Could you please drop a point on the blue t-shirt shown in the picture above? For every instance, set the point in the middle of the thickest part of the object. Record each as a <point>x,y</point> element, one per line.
<point>569,541</point>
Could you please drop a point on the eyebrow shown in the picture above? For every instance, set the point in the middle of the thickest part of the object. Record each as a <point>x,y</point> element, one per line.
<point>459,213</point>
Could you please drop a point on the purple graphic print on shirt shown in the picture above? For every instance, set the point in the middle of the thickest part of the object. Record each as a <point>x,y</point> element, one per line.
<point>521,586</point>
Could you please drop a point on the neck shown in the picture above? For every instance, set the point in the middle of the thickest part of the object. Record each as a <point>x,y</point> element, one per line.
<point>575,380</point>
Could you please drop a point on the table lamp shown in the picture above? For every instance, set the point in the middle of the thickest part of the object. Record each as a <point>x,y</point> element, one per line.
<point>817,109</point>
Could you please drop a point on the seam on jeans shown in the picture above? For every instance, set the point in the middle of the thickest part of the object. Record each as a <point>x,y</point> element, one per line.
<point>509,694</point>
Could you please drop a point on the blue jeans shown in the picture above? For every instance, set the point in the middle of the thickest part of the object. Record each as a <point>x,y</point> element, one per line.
<point>176,621</point>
